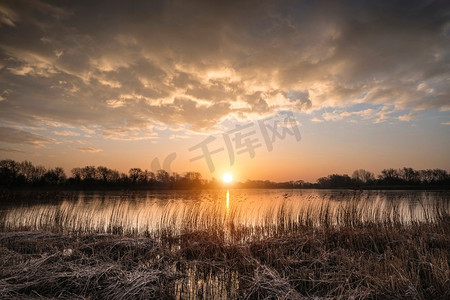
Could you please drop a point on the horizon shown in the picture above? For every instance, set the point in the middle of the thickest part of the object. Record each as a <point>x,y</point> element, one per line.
<point>241,149</point>
<point>229,178</point>
<point>264,91</point>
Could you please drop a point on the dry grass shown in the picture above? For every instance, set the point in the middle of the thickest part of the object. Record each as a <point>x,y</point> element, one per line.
<point>371,261</point>
<point>243,221</point>
<point>350,251</point>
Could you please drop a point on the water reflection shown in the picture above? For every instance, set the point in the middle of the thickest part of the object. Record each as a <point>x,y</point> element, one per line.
<point>228,204</point>
<point>184,211</point>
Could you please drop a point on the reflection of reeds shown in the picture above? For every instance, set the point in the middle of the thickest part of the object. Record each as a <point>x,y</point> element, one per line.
<point>359,248</point>
<point>239,221</point>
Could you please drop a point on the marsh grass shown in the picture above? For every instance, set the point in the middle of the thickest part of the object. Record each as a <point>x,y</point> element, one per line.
<point>364,262</point>
<point>349,250</point>
<point>240,221</point>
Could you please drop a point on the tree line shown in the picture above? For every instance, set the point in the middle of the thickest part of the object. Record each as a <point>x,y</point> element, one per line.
<point>403,177</point>
<point>25,174</point>
<point>18,174</point>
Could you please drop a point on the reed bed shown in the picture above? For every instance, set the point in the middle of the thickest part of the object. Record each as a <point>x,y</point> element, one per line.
<point>376,261</point>
<point>238,221</point>
<point>345,250</point>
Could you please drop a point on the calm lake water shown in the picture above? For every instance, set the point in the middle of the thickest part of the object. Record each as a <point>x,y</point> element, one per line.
<point>140,212</point>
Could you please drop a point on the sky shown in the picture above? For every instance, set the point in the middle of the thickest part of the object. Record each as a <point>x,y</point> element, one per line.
<point>277,90</point>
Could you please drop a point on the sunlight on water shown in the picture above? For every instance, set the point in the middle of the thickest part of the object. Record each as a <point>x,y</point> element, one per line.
<point>265,212</point>
<point>228,204</point>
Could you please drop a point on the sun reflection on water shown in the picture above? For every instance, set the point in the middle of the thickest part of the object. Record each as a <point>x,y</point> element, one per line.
<point>153,211</point>
<point>228,203</point>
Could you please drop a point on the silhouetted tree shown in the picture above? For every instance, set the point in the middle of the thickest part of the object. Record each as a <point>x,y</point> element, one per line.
<point>193,178</point>
<point>409,175</point>
<point>9,170</point>
<point>28,171</point>
<point>163,176</point>
<point>89,174</point>
<point>25,173</point>
<point>362,176</point>
<point>389,176</point>
<point>135,174</point>
<point>54,176</point>
<point>103,172</point>
<point>76,173</point>
<point>439,175</point>
<point>335,181</point>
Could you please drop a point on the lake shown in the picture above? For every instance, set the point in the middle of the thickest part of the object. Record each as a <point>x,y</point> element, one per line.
<point>258,212</point>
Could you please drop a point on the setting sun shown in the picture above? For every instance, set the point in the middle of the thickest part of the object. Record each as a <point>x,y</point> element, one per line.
<point>227,178</point>
<point>237,148</point>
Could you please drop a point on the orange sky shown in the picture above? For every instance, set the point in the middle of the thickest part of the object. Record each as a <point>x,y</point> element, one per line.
<point>120,84</point>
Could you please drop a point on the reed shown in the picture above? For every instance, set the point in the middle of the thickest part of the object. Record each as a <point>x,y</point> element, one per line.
<point>357,249</point>
<point>335,262</point>
<point>236,224</point>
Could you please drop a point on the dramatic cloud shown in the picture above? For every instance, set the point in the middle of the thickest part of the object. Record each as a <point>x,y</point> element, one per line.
<point>15,136</point>
<point>66,133</point>
<point>7,16</point>
<point>119,69</point>
<point>90,150</point>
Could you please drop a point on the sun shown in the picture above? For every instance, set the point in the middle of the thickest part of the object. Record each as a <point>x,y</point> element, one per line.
<point>227,178</point>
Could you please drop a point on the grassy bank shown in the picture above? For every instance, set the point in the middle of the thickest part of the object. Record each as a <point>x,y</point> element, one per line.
<point>370,261</point>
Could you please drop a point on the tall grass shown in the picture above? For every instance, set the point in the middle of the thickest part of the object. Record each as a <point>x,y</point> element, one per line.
<point>372,261</point>
<point>240,221</point>
<point>355,249</point>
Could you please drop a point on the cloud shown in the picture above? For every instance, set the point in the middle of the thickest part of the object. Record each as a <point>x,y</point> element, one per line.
<point>89,149</point>
<point>115,103</point>
<point>12,150</point>
<point>406,117</point>
<point>66,133</point>
<point>198,63</point>
<point>7,16</point>
<point>340,115</point>
<point>125,134</point>
<point>15,136</point>
<point>445,123</point>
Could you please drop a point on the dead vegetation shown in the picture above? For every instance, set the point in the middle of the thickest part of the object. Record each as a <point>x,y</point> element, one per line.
<point>367,261</point>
